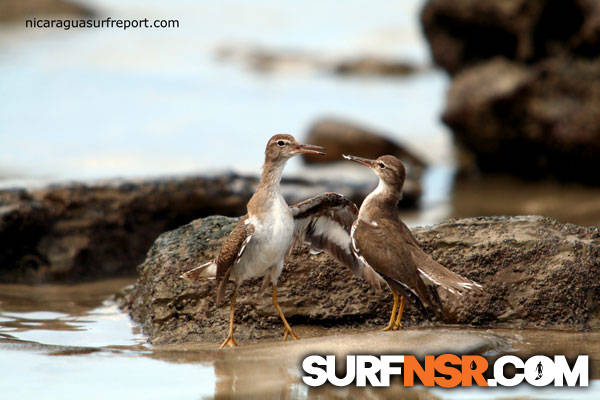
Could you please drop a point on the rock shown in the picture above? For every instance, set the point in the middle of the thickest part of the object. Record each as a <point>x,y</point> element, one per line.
<point>374,66</point>
<point>461,33</point>
<point>536,272</point>
<point>342,137</point>
<point>525,94</point>
<point>80,231</point>
<point>529,122</point>
<point>89,231</point>
<point>16,10</point>
<point>266,60</point>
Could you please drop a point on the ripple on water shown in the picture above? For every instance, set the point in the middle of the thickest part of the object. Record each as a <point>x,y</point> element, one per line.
<point>102,326</point>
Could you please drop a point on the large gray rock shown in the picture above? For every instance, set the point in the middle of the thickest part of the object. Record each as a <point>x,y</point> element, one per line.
<point>461,33</point>
<point>536,272</point>
<point>76,232</point>
<point>525,95</point>
<point>528,122</point>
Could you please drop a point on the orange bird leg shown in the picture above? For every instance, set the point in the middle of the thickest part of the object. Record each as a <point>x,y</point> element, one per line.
<point>390,325</point>
<point>230,341</point>
<point>287,329</point>
<point>398,323</point>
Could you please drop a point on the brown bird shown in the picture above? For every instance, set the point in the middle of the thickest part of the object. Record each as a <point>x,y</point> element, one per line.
<point>385,244</point>
<point>259,243</point>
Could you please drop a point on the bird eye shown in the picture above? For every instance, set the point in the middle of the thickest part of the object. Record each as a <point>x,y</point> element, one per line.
<point>281,143</point>
<point>381,165</point>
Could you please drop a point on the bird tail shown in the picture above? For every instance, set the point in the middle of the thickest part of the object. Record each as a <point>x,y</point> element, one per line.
<point>203,272</point>
<point>447,280</point>
<point>441,282</point>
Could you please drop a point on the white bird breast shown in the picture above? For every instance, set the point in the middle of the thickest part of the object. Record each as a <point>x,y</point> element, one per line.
<point>269,243</point>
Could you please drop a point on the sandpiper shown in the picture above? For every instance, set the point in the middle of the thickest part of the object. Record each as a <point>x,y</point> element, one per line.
<point>385,244</point>
<point>258,244</point>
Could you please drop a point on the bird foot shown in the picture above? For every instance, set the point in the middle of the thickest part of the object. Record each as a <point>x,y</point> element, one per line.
<point>288,332</point>
<point>230,341</point>
<point>392,327</point>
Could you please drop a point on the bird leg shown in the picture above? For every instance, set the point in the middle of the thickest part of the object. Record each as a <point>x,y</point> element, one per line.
<point>390,325</point>
<point>287,329</point>
<point>398,323</point>
<point>230,341</point>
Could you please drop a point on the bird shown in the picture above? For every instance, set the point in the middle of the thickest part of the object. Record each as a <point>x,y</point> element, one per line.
<point>384,244</point>
<point>259,243</point>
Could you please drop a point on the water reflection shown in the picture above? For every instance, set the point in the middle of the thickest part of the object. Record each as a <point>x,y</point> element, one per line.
<point>509,196</point>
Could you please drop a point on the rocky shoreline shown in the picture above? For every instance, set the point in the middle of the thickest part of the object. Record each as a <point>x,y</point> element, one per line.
<point>536,271</point>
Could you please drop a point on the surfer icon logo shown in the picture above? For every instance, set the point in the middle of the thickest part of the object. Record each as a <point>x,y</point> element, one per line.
<point>539,370</point>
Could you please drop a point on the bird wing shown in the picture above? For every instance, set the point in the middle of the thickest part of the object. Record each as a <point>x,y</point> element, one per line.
<point>324,223</point>
<point>384,248</point>
<point>432,272</point>
<point>231,252</point>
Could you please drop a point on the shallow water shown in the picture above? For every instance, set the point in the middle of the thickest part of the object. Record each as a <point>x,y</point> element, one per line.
<point>69,342</point>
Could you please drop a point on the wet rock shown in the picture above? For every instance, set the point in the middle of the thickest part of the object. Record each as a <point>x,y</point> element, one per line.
<point>15,10</point>
<point>367,66</point>
<point>88,231</point>
<point>461,33</point>
<point>531,122</point>
<point>536,272</point>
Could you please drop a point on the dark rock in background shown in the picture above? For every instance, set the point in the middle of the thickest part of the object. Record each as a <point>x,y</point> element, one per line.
<point>269,60</point>
<point>531,122</point>
<point>465,32</point>
<point>88,231</point>
<point>369,66</point>
<point>525,95</point>
<point>343,137</point>
<point>536,272</point>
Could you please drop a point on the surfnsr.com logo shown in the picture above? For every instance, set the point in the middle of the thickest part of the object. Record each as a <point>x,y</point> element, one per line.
<point>446,370</point>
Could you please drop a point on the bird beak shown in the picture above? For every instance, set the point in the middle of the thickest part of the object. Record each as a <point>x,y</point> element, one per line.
<point>309,149</point>
<point>364,161</point>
